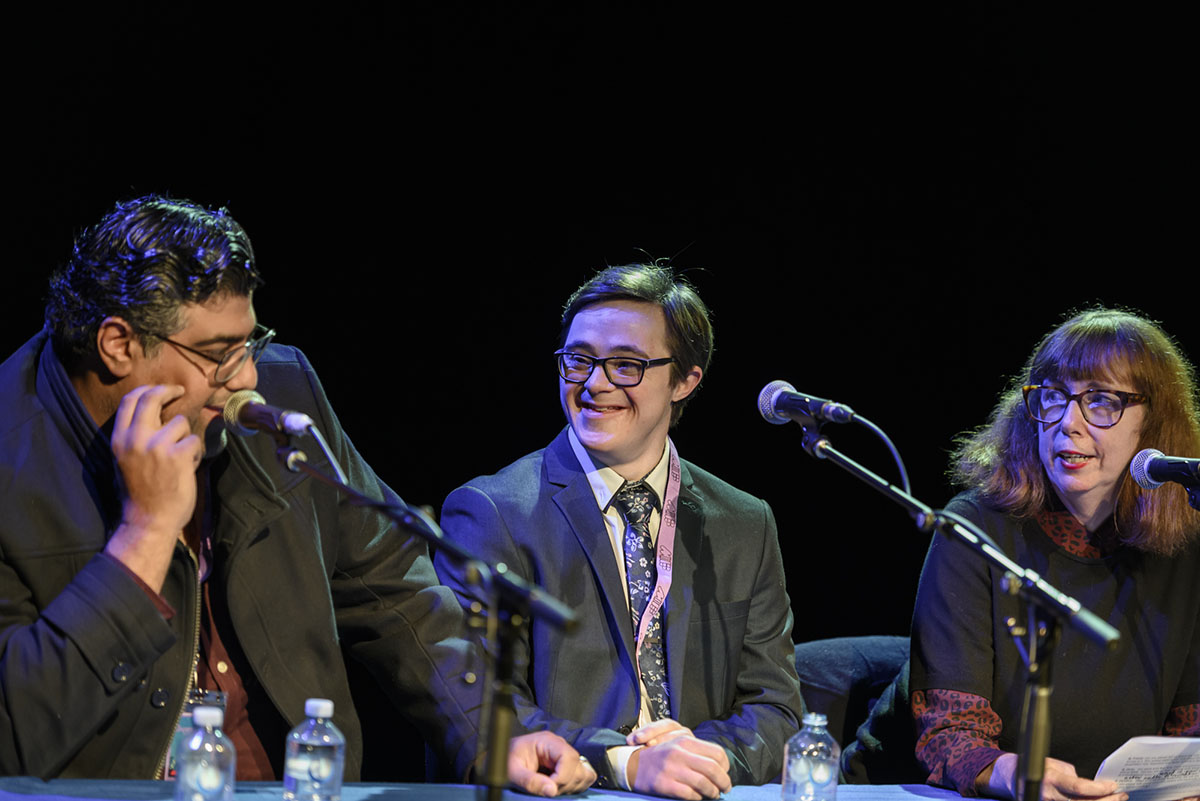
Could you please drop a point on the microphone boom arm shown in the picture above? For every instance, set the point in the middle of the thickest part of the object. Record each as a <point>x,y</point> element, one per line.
<point>1045,608</point>
<point>521,599</point>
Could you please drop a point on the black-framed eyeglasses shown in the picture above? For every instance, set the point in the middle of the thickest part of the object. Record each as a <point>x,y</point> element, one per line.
<point>1101,407</point>
<point>622,371</point>
<point>233,360</point>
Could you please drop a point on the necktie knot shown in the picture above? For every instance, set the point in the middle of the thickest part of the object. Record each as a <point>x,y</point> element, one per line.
<point>636,500</point>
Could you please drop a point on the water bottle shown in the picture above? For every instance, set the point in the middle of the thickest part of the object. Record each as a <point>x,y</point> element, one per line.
<point>206,763</point>
<point>810,763</point>
<point>314,755</point>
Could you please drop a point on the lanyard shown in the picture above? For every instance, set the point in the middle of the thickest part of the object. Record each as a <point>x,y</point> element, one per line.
<point>665,551</point>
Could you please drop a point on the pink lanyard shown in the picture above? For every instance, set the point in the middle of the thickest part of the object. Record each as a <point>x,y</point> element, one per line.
<point>666,546</point>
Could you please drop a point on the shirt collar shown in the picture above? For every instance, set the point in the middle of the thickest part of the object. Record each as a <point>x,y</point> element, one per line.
<point>65,407</point>
<point>605,481</point>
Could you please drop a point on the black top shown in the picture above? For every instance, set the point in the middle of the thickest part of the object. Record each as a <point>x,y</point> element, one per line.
<point>960,640</point>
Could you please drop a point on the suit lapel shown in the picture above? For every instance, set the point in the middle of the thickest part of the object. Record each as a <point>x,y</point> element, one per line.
<point>688,531</point>
<point>578,506</point>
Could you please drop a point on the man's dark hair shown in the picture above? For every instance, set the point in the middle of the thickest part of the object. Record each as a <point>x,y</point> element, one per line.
<point>689,329</point>
<point>141,262</point>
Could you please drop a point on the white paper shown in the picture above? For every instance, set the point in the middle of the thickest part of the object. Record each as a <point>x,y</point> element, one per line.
<point>1155,768</point>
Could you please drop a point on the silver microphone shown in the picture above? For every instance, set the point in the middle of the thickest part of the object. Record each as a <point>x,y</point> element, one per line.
<point>780,403</point>
<point>247,412</point>
<point>1151,468</point>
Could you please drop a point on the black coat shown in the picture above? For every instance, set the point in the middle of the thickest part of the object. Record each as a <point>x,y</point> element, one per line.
<point>92,677</point>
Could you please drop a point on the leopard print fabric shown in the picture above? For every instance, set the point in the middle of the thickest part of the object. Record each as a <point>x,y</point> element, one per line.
<point>959,735</point>
<point>1183,721</point>
<point>1070,535</point>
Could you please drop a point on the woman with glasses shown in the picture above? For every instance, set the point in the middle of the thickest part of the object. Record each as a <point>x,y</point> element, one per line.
<point>1048,479</point>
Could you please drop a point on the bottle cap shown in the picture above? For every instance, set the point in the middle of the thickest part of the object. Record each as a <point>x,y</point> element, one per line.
<point>318,708</point>
<point>815,719</point>
<point>208,716</point>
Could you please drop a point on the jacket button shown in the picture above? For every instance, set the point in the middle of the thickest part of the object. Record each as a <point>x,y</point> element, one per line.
<point>121,671</point>
<point>626,730</point>
<point>159,697</point>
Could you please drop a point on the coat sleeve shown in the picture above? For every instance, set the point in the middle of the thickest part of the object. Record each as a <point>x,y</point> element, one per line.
<point>952,656</point>
<point>471,517</point>
<point>767,705</point>
<point>79,638</point>
<point>65,670</point>
<point>1184,717</point>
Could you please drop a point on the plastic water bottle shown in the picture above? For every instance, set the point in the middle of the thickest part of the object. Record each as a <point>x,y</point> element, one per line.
<point>206,762</point>
<point>810,763</point>
<point>315,753</point>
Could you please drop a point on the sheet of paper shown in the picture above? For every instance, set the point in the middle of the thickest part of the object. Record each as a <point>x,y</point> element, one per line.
<point>1155,768</point>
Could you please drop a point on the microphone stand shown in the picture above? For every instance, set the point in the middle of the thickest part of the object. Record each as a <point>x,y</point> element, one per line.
<point>506,592</point>
<point>1045,609</point>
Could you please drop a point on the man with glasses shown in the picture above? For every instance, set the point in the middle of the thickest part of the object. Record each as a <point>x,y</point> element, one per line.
<point>148,563</point>
<point>680,680</point>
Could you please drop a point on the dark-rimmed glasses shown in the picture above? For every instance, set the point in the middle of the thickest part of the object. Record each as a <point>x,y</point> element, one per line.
<point>1101,407</point>
<point>622,371</point>
<point>233,360</point>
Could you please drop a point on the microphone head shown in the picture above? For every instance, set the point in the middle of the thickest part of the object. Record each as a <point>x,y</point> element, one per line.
<point>766,402</point>
<point>1138,468</point>
<point>233,410</point>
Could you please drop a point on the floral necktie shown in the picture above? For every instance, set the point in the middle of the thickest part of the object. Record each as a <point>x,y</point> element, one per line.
<point>636,501</point>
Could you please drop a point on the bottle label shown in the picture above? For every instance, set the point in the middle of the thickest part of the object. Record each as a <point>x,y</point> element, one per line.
<point>184,728</point>
<point>207,767</point>
<point>309,768</point>
<point>312,772</point>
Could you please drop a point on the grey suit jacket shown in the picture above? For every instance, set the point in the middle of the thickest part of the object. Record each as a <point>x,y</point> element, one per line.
<point>728,618</point>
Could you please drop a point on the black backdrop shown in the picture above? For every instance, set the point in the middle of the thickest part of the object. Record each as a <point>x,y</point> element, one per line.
<point>883,206</point>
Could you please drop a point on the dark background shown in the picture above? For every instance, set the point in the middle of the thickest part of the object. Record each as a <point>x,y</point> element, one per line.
<point>884,206</point>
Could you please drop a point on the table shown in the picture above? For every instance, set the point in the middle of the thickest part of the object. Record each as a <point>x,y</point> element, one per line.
<point>24,788</point>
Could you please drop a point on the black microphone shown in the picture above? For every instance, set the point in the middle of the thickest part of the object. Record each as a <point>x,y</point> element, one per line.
<point>780,403</point>
<point>247,412</point>
<point>1151,469</point>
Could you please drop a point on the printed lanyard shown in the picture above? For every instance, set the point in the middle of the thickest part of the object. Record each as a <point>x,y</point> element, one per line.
<point>665,552</point>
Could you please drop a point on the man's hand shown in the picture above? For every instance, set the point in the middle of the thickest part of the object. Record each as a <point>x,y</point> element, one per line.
<point>658,732</point>
<point>677,764</point>
<point>545,764</point>
<point>157,464</point>
<point>1059,782</point>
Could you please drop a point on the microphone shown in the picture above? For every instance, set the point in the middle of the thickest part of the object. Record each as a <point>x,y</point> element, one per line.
<point>247,412</point>
<point>1151,469</point>
<point>780,403</point>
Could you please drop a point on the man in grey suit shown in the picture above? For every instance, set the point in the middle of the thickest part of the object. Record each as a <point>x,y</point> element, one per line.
<point>680,680</point>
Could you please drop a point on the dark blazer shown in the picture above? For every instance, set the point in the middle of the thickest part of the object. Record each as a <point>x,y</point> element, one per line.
<point>728,617</point>
<point>92,677</point>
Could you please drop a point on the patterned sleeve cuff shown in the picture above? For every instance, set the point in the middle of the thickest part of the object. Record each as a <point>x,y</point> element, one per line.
<point>1183,721</point>
<point>957,736</point>
<point>968,766</point>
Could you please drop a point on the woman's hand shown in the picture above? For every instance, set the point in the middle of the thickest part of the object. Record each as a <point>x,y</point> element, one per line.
<point>1059,782</point>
